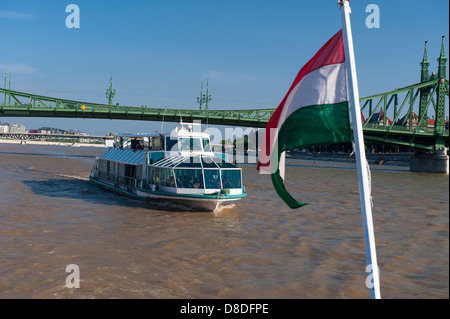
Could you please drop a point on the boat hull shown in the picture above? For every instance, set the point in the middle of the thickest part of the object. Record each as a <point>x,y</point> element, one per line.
<point>210,203</point>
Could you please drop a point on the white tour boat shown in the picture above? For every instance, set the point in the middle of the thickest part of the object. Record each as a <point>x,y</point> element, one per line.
<point>178,166</point>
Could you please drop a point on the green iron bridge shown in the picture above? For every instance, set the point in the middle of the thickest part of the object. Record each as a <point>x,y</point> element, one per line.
<point>413,116</point>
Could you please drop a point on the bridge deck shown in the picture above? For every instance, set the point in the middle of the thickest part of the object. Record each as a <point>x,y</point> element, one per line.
<point>377,126</point>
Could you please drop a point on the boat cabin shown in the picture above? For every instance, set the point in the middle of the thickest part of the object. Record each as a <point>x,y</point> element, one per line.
<point>194,174</point>
<point>177,162</point>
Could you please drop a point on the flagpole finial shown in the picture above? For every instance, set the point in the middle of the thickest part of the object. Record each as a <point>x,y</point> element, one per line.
<point>341,2</point>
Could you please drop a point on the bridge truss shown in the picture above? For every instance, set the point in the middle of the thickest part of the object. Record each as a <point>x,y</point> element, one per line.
<point>415,116</point>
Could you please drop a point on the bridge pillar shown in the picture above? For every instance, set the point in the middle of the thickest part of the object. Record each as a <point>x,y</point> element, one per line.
<point>430,163</point>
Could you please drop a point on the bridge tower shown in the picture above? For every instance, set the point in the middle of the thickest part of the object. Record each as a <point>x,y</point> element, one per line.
<point>424,92</point>
<point>441,93</point>
<point>426,96</point>
<point>438,162</point>
<point>204,98</point>
<point>110,92</point>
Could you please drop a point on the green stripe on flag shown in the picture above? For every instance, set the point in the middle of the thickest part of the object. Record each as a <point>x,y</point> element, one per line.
<point>317,124</point>
<point>311,125</point>
<point>283,193</point>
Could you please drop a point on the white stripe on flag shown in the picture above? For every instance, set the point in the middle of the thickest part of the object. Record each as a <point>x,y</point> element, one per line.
<point>326,85</point>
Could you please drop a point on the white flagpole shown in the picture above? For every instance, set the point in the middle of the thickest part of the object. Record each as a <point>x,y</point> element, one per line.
<point>361,162</point>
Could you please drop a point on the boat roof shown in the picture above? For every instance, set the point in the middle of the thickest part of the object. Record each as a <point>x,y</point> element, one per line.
<point>181,130</point>
<point>137,135</point>
<point>183,133</point>
<point>193,161</point>
<point>180,133</point>
<point>125,156</point>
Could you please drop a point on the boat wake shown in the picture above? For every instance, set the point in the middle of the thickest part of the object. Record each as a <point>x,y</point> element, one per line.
<point>84,178</point>
<point>224,207</point>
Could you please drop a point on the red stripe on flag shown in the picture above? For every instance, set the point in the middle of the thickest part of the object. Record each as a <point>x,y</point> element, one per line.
<point>332,52</point>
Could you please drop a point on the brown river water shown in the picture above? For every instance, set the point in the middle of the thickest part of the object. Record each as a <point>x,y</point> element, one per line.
<point>52,217</point>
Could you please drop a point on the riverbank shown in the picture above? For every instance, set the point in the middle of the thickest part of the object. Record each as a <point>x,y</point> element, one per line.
<point>5,141</point>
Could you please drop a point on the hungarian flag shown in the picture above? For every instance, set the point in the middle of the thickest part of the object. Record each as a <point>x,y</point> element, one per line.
<point>314,111</point>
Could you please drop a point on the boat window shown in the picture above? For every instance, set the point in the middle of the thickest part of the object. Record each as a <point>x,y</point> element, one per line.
<point>190,144</point>
<point>118,142</point>
<point>192,161</point>
<point>102,165</point>
<point>212,179</point>
<point>162,142</point>
<point>163,177</point>
<point>126,143</point>
<point>170,178</point>
<point>231,178</point>
<point>171,144</point>
<point>130,171</point>
<point>223,164</point>
<point>150,175</point>
<point>206,145</point>
<point>137,143</point>
<point>146,143</point>
<point>157,176</point>
<point>155,143</point>
<point>139,172</point>
<point>208,162</point>
<point>167,178</point>
<point>189,178</point>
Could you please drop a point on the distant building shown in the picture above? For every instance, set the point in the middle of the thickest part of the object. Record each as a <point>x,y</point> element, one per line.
<point>378,119</point>
<point>415,121</point>
<point>53,130</point>
<point>406,120</point>
<point>45,130</point>
<point>84,140</point>
<point>17,128</point>
<point>4,128</point>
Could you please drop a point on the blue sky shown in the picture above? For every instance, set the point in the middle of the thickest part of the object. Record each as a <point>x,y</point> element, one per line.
<point>159,52</point>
